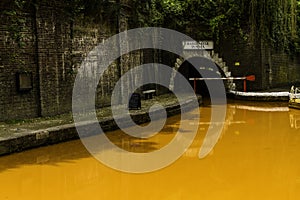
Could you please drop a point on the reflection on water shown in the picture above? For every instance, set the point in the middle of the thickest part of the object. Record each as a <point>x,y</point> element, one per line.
<point>295,119</point>
<point>256,157</point>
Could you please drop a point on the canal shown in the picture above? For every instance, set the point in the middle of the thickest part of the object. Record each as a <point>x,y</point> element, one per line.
<point>256,157</point>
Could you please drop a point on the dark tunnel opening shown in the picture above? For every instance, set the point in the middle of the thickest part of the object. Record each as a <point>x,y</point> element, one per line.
<point>198,67</point>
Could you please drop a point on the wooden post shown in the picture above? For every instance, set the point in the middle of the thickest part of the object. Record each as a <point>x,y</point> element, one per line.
<point>245,85</point>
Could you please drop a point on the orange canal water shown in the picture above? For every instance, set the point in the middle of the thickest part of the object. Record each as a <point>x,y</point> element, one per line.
<point>256,157</point>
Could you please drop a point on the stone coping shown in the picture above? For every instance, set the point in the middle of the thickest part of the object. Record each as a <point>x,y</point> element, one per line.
<point>260,96</point>
<point>27,139</point>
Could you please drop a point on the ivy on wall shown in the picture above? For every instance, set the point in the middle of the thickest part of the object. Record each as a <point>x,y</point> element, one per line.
<point>273,21</point>
<point>16,24</point>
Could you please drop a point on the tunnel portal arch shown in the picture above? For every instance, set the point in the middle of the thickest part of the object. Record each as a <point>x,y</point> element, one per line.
<point>214,68</point>
<point>189,70</point>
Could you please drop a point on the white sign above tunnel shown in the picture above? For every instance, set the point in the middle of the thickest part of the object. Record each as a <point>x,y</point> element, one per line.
<point>200,45</point>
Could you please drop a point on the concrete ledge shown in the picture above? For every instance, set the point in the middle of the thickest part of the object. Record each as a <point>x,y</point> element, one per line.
<point>68,132</point>
<point>259,96</point>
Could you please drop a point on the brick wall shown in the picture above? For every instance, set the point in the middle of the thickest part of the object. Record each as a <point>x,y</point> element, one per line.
<point>249,58</point>
<point>54,43</point>
<point>285,69</point>
<point>53,50</point>
<point>271,67</point>
<point>17,57</point>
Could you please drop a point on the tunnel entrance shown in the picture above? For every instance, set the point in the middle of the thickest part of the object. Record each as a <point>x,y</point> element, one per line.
<point>188,71</point>
<point>206,69</point>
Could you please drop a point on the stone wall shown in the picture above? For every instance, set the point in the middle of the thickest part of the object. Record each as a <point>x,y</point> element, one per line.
<point>270,67</point>
<point>53,46</point>
<point>285,70</point>
<point>17,55</point>
<point>249,58</point>
<point>53,52</point>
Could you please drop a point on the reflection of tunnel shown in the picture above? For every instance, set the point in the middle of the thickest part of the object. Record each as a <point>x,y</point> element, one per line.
<point>206,69</point>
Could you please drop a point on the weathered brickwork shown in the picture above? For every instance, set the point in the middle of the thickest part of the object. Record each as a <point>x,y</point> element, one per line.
<point>54,46</point>
<point>248,58</point>
<point>54,42</point>
<point>270,67</point>
<point>285,69</point>
<point>17,57</point>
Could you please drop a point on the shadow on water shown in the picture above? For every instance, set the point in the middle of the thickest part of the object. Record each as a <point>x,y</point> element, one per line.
<point>51,155</point>
<point>70,151</point>
<point>66,152</point>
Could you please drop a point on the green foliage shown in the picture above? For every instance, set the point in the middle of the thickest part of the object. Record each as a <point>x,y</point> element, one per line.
<point>274,21</point>
<point>16,23</point>
<point>199,18</point>
<point>297,40</point>
<point>103,11</point>
<point>166,13</point>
